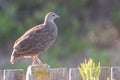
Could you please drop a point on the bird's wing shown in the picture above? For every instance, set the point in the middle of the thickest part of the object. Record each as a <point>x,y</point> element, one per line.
<point>29,39</point>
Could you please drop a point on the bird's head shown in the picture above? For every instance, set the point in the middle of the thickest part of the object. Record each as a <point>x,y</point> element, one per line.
<point>51,16</point>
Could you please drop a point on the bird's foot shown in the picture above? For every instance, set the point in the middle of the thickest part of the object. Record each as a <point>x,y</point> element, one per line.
<point>36,60</point>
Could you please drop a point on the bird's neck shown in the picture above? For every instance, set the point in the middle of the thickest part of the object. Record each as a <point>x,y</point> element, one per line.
<point>48,21</point>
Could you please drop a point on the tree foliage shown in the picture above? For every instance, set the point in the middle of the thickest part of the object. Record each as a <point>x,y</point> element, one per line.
<point>17,16</point>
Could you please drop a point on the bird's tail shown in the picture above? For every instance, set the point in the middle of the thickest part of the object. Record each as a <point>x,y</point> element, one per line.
<point>12,60</point>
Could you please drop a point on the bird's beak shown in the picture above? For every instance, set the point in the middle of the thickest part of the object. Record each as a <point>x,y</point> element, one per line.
<point>57,16</point>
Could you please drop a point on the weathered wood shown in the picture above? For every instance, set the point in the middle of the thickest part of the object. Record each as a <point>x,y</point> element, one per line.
<point>1,75</point>
<point>115,73</point>
<point>74,74</point>
<point>105,73</point>
<point>16,74</point>
<point>38,72</point>
<point>59,74</point>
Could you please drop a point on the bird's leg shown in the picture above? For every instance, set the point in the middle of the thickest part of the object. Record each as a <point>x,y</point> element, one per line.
<point>33,60</point>
<point>38,60</point>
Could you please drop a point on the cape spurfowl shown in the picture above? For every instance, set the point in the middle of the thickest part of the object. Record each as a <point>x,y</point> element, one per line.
<point>36,40</point>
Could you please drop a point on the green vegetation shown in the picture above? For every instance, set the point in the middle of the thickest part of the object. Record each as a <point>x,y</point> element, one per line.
<point>78,18</point>
<point>98,55</point>
<point>90,70</point>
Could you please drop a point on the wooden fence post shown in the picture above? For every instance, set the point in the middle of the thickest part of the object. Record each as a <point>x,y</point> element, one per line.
<point>105,73</point>
<point>59,74</point>
<point>43,72</point>
<point>74,74</point>
<point>38,72</point>
<point>115,73</point>
<point>16,74</point>
<point>1,75</point>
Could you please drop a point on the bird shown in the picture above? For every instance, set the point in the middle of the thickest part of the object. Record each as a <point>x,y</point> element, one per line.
<point>36,40</point>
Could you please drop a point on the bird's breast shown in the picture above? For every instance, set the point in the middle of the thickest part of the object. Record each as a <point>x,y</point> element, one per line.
<point>48,38</point>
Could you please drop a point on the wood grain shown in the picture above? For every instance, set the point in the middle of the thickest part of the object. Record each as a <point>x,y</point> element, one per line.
<point>16,74</point>
<point>115,73</point>
<point>1,75</point>
<point>105,73</point>
<point>59,74</point>
<point>74,74</point>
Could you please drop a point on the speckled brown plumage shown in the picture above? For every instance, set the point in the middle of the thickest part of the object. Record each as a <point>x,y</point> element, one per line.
<point>36,40</point>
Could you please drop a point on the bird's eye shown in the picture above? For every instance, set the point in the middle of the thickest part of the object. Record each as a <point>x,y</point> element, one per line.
<point>53,15</point>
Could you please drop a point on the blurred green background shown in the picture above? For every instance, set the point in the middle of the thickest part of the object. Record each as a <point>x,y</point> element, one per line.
<point>87,29</point>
